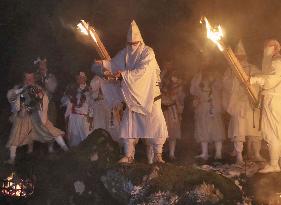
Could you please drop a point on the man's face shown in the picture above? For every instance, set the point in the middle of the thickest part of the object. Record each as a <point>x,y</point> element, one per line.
<point>29,79</point>
<point>133,45</point>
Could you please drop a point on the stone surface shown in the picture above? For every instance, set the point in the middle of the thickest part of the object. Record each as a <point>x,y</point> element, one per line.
<point>169,184</point>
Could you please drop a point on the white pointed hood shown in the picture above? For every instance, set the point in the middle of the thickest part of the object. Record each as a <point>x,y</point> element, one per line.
<point>133,52</point>
<point>134,33</point>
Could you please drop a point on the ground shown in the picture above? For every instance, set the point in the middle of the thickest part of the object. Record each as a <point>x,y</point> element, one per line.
<point>56,175</point>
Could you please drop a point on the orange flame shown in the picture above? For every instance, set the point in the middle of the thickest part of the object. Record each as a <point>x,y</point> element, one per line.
<point>13,189</point>
<point>86,30</point>
<point>215,34</point>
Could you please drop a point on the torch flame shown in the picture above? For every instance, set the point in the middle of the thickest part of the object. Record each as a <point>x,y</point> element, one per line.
<point>215,34</point>
<point>86,30</point>
<point>82,29</point>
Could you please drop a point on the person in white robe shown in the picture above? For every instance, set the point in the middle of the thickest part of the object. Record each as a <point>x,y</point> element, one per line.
<point>172,106</point>
<point>143,116</point>
<point>209,126</point>
<point>244,121</point>
<point>79,112</point>
<point>104,116</point>
<point>270,82</point>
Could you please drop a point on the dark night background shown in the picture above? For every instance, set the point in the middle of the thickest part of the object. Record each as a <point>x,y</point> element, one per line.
<point>30,28</point>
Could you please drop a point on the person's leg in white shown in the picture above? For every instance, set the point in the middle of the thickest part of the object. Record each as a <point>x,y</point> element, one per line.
<point>158,149</point>
<point>256,145</point>
<point>13,153</point>
<point>204,151</point>
<point>61,143</point>
<point>274,153</point>
<point>238,146</point>
<point>218,147</point>
<point>149,153</point>
<point>129,150</point>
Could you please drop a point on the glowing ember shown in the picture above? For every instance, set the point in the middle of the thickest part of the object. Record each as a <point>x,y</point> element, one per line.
<point>86,29</point>
<point>15,187</point>
<point>215,34</point>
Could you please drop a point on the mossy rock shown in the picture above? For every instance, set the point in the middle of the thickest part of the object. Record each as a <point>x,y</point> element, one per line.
<point>172,181</point>
<point>98,149</point>
<point>56,173</point>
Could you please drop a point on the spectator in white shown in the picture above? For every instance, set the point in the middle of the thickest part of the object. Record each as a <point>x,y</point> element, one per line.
<point>270,83</point>
<point>244,121</point>
<point>209,126</point>
<point>79,112</point>
<point>143,117</point>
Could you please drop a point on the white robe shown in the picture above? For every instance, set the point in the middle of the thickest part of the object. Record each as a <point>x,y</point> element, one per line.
<point>102,110</point>
<point>78,124</point>
<point>99,108</point>
<point>143,118</point>
<point>209,125</point>
<point>271,112</point>
<point>244,117</point>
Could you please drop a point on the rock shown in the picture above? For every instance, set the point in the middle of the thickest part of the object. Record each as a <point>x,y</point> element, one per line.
<point>169,184</point>
<point>99,149</point>
<point>75,173</point>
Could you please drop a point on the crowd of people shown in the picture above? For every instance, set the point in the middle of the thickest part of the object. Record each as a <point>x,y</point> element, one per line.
<point>132,100</point>
<point>215,95</point>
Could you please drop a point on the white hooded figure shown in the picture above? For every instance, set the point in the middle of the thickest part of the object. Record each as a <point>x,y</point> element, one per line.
<point>244,121</point>
<point>208,123</point>
<point>270,83</point>
<point>143,117</point>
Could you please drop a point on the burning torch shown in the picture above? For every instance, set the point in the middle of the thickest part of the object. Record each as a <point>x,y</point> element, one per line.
<point>89,31</point>
<point>215,34</point>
